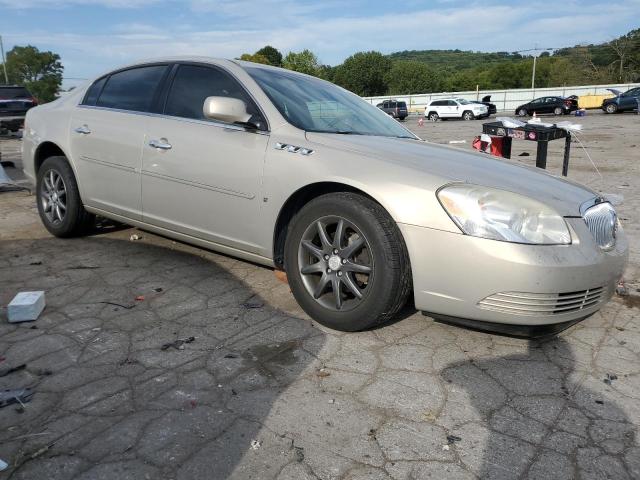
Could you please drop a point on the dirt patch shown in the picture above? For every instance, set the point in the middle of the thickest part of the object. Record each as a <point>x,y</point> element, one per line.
<point>632,301</point>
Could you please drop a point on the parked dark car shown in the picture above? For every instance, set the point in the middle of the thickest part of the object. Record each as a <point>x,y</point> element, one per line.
<point>394,108</point>
<point>486,100</point>
<point>627,101</point>
<point>14,102</point>
<point>555,105</point>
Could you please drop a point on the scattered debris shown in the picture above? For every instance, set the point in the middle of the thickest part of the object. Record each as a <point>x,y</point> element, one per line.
<point>253,304</point>
<point>44,449</point>
<point>26,307</point>
<point>454,142</point>
<point>451,439</point>
<point>128,307</point>
<point>7,371</point>
<point>332,400</point>
<point>140,298</point>
<point>178,344</point>
<point>524,154</point>
<point>83,267</point>
<point>231,355</point>
<point>36,263</point>
<point>255,444</point>
<point>193,403</point>
<point>299,453</point>
<point>3,465</point>
<point>135,237</point>
<point>233,392</point>
<point>621,289</point>
<point>445,447</point>
<point>322,373</point>
<point>610,378</point>
<point>599,402</point>
<point>20,395</point>
<point>157,290</point>
<point>372,434</point>
<point>429,416</point>
<point>281,275</point>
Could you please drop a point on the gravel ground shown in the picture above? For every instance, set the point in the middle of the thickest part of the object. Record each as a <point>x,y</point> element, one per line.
<point>263,392</point>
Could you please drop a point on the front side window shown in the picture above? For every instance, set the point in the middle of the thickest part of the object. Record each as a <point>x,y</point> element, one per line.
<point>537,101</point>
<point>452,103</point>
<point>194,83</point>
<point>132,89</point>
<point>315,105</point>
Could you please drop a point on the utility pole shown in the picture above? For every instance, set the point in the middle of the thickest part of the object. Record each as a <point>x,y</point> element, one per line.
<point>4,62</point>
<point>533,74</point>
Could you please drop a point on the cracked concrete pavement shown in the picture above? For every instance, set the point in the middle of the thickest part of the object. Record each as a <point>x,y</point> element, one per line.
<point>263,392</point>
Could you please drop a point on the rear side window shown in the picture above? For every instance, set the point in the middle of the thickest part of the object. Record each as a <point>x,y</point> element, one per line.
<point>132,89</point>
<point>452,103</point>
<point>94,90</point>
<point>438,103</point>
<point>194,83</point>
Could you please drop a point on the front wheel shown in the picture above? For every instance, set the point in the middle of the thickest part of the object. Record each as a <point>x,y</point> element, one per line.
<point>346,262</point>
<point>557,111</point>
<point>468,115</point>
<point>523,112</point>
<point>611,108</point>
<point>433,116</point>
<point>58,199</point>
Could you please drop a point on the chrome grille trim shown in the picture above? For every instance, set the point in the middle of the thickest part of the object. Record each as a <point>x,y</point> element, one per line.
<point>522,303</point>
<point>602,221</point>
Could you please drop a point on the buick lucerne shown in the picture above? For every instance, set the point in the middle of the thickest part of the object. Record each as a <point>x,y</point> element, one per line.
<point>293,172</point>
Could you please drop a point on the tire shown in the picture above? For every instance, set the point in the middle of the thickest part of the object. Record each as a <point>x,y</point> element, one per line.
<point>376,244</point>
<point>468,115</point>
<point>433,116</point>
<point>611,108</point>
<point>69,219</point>
<point>523,112</point>
<point>558,111</point>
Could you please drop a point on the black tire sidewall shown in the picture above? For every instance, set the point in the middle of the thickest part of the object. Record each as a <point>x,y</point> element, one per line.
<point>379,297</point>
<point>75,210</point>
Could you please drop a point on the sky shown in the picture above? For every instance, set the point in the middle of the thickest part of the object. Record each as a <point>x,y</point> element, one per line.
<point>94,36</point>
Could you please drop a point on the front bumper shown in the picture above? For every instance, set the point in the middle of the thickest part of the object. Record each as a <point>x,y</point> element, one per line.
<point>453,273</point>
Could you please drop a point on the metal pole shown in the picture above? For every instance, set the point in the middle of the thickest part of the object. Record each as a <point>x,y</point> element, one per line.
<point>533,75</point>
<point>4,62</point>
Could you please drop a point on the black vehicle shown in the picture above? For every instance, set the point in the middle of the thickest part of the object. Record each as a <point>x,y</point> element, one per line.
<point>394,108</point>
<point>14,102</point>
<point>486,100</point>
<point>555,105</point>
<point>627,101</point>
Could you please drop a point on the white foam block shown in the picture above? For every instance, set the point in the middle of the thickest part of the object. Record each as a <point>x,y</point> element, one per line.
<point>26,306</point>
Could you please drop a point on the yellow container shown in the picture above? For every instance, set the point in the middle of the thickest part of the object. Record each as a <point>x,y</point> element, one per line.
<point>592,101</point>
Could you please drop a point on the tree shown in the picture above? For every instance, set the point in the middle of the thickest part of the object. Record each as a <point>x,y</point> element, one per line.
<point>40,72</point>
<point>271,54</point>
<point>364,73</point>
<point>303,62</point>
<point>255,58</point>
<point>409,76</point>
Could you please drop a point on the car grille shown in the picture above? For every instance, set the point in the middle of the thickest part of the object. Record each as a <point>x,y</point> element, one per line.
<point>519,303</point>
<point>602,222</point>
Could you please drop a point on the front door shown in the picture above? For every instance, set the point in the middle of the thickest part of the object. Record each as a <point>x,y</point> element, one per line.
<point>202,177</point>
<point>107,135</point>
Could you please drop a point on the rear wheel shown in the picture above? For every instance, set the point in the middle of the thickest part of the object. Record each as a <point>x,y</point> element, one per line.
<point>523,112</point>
<point>467,115</point>
<point>58,199</point>
<point>433,116</point>
<point>611,108</point>
<point>346,262</point>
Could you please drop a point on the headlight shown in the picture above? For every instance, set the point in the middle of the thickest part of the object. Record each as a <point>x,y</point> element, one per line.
<point>500,215</point>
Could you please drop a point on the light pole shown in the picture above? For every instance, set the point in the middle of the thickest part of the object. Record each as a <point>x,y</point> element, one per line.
<point>4,62</point>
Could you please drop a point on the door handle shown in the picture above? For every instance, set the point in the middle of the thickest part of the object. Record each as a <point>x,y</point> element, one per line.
<point>162,144</point>
<point>84,130</point>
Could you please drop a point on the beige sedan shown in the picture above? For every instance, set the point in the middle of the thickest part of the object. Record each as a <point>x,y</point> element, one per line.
<point>293,172</point>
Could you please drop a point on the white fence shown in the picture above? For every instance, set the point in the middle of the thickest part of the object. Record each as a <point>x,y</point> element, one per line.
<point>504,100</point>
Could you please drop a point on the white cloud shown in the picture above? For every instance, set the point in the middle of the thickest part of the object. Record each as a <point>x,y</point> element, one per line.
<point>40,4</point>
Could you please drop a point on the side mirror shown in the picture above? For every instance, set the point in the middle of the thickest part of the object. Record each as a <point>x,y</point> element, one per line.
<point>225,109</point>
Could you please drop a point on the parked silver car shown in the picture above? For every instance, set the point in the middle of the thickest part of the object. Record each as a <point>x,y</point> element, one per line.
<point>294,172</point>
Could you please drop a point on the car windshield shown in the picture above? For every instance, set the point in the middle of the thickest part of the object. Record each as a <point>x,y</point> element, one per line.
<point>9,93</point>
<point>315,105</point>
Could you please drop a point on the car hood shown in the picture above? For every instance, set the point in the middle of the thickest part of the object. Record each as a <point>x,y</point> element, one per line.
<point>438,165</point>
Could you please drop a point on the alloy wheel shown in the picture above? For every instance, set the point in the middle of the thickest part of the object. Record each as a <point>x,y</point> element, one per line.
<point>53,196</point>
<point>335,263</point>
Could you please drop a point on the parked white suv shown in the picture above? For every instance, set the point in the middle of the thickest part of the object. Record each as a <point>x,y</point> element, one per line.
<point>455,108</point>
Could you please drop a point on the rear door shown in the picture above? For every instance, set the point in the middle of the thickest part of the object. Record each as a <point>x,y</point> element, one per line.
<point>453,109</point>
<point>107,135</point>
<point>536,105</point>
<point>203,177</point>
<point>629,100</point>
